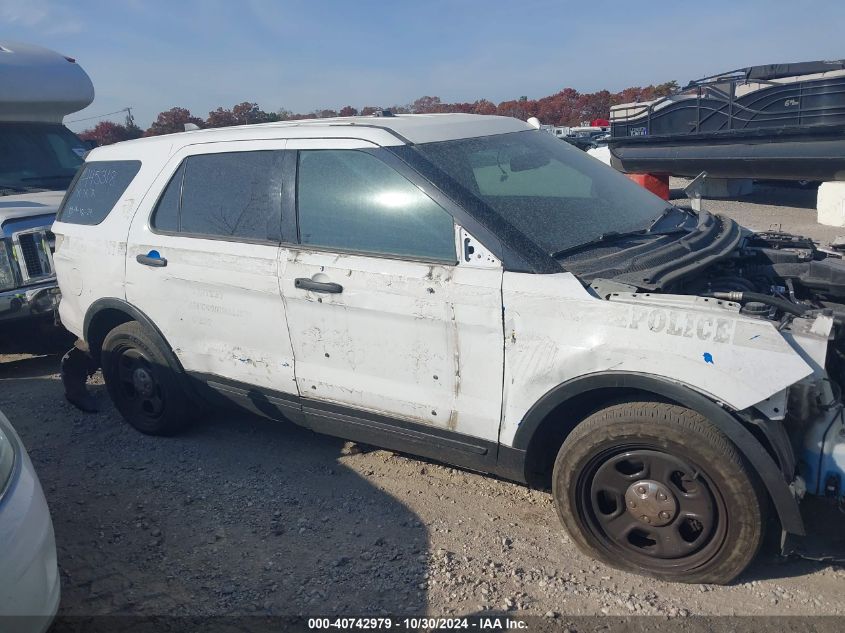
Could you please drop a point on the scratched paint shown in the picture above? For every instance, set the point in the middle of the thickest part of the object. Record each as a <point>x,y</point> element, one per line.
<point>557,331</point>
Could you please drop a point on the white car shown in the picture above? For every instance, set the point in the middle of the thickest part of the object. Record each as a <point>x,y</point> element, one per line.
<point>29,574</point>
<point>470,289</point>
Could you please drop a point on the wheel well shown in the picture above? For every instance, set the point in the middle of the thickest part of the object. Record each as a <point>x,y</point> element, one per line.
<point>560,422</point>
<point>101,324</point>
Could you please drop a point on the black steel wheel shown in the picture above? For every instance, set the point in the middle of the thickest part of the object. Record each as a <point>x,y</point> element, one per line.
<point>655,488</point>
<point>141,383</point>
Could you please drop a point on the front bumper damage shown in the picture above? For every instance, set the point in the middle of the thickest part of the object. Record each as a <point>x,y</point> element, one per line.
<point>823,457</point>
<point>30,302</point>
<point>809,418</point>
<point>814,415</point>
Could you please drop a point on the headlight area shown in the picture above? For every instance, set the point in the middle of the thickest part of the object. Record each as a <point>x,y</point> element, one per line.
<point>8,457</point>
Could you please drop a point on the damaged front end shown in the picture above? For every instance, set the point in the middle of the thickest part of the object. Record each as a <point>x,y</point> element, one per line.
<point>778,278</point>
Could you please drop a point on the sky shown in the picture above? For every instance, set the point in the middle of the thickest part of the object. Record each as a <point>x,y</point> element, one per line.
<point>311,55</point>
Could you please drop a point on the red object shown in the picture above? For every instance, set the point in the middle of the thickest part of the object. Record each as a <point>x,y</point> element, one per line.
<point>600,123</point>
<point>655,183</point>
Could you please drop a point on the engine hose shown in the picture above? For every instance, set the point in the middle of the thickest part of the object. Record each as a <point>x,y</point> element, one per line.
<point>739,297</point>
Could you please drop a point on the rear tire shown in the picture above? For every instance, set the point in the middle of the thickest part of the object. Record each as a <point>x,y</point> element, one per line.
<point>656,489</point>
<point>141,383</point>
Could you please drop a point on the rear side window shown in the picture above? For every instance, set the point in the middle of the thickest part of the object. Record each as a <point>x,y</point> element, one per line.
<point>353,201</point>
<point>96,190</point>
<point>230,195</point>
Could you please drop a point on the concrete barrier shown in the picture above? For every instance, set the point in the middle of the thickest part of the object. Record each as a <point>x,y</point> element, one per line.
<point>830,204</point>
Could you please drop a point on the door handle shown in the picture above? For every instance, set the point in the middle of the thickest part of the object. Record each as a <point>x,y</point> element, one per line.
<point>153,258</point>
<point>304,283</point>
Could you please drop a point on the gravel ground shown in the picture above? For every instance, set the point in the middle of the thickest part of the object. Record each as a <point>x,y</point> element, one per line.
<point>240,516</point>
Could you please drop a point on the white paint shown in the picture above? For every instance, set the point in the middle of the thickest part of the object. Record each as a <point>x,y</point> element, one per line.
<point>408,339</point>
<point>428,342</point>
<point>27,205</point>
<point>473,253</point>
<point>39,84</point>
<point>600,153</point>
<point>556,331</point>
<point>217,302</point>
<point>830,204</point>
<point>29,584</point>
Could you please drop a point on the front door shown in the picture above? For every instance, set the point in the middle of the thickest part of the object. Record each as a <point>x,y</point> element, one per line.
<point>383,317</point>
<point>202,263</point>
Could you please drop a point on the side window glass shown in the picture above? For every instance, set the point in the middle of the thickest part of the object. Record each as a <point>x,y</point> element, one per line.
<point>96,189</point>
<point>232,195</point>
<point>166,216</point>
<point>351,200</point>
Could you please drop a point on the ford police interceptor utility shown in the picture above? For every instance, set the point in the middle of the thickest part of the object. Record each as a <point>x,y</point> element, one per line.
<point>470,289</point>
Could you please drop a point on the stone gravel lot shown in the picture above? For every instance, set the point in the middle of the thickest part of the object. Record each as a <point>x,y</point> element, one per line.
<point>240,515</point>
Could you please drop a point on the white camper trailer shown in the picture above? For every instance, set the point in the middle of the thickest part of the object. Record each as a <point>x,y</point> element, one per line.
<point>38,159</point>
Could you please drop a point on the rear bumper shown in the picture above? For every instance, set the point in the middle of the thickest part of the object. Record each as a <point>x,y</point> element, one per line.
<point>33,301</point>
<point>29,584</point>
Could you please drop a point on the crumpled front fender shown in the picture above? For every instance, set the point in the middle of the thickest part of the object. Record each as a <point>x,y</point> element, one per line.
<point>555,331</point>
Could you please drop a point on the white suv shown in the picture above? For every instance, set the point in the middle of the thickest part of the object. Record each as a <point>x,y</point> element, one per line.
<point>470,289</point>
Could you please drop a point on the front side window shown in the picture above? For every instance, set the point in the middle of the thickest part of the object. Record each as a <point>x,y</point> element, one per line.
<point>352,201</point>
<point>231,195</point>
<point>96,190</point>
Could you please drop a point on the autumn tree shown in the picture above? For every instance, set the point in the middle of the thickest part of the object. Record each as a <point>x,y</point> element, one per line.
<point>171,121</point>
<point>425,105</point>
<point>221,117</point>
<point>483,106</point>
<point>247,113</point>
<point>566,107</point>
<point>106,133</point>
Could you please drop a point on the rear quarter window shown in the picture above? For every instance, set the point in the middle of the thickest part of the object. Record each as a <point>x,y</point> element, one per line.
<point>96,189</point>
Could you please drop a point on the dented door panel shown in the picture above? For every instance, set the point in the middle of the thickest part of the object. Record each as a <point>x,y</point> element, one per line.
<point>217,300</point>
<point>417,341</point>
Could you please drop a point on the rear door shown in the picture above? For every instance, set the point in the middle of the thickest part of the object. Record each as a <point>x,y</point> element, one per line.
<point>202,263</point>
<point>383,318</point>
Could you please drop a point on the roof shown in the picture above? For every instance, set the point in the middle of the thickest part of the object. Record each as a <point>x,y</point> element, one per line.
<point>386,131</point>
<point>40,84</point>
<point>776,71</point>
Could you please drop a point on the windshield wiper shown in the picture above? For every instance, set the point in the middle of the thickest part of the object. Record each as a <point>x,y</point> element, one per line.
<point>610,236</point>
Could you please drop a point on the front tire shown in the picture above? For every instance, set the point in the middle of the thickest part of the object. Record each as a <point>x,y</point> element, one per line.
<point>141,383</point>
<point>656,489</point>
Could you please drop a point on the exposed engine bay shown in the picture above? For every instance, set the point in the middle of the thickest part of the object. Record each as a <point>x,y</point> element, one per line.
<point>772,275</point>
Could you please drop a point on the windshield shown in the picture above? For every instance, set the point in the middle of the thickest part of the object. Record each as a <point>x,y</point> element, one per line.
<point>553,193</point>
<point>37,157</point>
